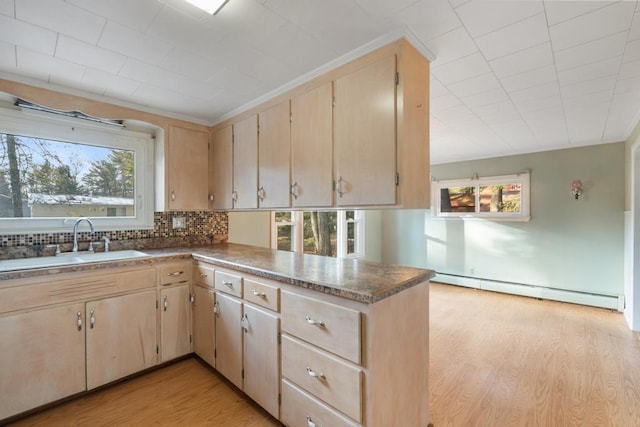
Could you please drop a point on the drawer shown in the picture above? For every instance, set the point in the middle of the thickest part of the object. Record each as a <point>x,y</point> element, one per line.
<point>228,283</point>
<point>330,326</point>
<point>324,376</point>
<point>175,272</point>
<point>267,296</point>
<point>301,409</point>
<point>203,274</point>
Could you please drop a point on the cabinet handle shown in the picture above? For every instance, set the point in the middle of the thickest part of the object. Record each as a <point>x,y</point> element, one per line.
<point>203,275</point>
<point>244,322</point>
<point>310,422</point>
<point>92,319</point>
<point>192,298</point>
<point>229,284</point>
<point>211,197</point>
<point>216,308</point>
<point>314,322</point>
<point>234,195</point>
<point>261,193</point>
<point>313,374</point>
<point>175,273</point>
<point>165,303</point>
<point>173,195</point>
<point>79,314</point>
<point>339,187</point>
<point>294,190</point>
<point>259,294</point>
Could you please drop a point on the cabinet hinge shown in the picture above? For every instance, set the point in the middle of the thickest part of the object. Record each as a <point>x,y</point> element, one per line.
<point>242,373</point>
<point>279,399</point>
<point>190,338</point>
<point>233,137</point>
<point>333,185</point>
<point>333,101</point>
<point>397,178</point>
<point>279,338</point>
<point>397,78</point>
<point>290,118</point>
<point>258,129</point>
<point>157,306</point>
<point>157,350</point>
<point>215,354</point>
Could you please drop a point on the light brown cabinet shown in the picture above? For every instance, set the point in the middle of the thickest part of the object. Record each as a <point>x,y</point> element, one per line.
<point>204,332</point>
<point>245,163</point>
<point>229,337</point>
<point>274,156</point>
<point>312,148</point>
<point>247,347</point>
<point>42,357</point>
<point>365,135</point>
<point>221,169</point>
<point>187,163</point>
<point>175,321</point>
<point>359,137</point>
<point>121,336</point>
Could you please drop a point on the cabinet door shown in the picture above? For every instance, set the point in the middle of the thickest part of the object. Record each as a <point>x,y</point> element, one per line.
<point>274,156</point>
<point>121,336</point>
<point>221,169</point>
<point>42,357</point>
<point>175,322</point>
<point>229,338</point>
<point>204,332</point>
<point>245,163</point>
<point>312,148</point>
<point>262,358</point>
<point>188,163</point>
<point>365,135</point>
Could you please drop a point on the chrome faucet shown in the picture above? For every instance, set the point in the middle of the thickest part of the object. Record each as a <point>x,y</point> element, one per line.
<point>75,231</point>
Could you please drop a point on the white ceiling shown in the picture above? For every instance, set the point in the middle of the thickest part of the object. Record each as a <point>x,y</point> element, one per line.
<point>508,76</point>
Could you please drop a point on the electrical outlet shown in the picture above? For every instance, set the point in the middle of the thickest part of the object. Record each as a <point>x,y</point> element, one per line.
<point>179,222</point>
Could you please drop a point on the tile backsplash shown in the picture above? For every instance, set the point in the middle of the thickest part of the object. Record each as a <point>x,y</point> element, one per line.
<point>201,228</point>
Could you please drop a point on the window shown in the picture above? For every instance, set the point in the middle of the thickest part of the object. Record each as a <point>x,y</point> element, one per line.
<point>54,170</point>
<point>503,198</point>
<point>330,233</point>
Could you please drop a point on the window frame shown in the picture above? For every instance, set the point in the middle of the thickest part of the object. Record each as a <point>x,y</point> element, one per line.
<point>297,231</point>
<point>524,179</point>
<point>66,129</point>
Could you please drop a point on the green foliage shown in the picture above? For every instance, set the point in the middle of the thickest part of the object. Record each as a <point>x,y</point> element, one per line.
<point>113,177</point>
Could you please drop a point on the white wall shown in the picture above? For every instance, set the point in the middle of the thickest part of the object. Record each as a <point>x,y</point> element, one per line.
<point>569,244</point>
<point>250,228</point>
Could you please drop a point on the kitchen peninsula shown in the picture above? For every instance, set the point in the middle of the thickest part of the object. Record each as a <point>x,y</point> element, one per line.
<point>313,340</point>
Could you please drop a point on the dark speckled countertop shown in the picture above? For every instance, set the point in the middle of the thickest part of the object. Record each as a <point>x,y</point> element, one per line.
<point>358,280</point>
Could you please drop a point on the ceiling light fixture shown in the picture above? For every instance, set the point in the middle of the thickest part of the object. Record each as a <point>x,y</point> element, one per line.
<point>210,6</point>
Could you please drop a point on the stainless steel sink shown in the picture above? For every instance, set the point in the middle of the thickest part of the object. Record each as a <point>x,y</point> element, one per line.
<point>69,258</point>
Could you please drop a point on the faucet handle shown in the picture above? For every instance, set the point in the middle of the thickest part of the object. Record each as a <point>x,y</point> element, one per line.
<point>54,246</point>
<point>90,249</point>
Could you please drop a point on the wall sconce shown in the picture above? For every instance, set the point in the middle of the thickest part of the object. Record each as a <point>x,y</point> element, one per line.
<point>576,188</point>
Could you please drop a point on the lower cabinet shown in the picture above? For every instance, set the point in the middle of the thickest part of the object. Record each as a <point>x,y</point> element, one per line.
<point>204,332</point>
<point>247,343</point>
<point>42,357</point>
<point>229,338</point>
<point>175,320</point>
<point>121,336</point>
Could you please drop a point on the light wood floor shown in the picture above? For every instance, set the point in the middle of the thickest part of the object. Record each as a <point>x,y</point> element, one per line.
<point>496,360</point>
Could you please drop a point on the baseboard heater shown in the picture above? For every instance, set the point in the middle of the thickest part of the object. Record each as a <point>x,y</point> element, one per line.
<point>613,302</point>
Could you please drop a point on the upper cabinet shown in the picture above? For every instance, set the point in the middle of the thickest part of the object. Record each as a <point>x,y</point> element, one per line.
<point>221,169</point>
<point>312,148</point>
<point>274,156</point>
<point>245,163</point>
<point>365,135</point>
<point>356,136</point>
<point>187,166</point>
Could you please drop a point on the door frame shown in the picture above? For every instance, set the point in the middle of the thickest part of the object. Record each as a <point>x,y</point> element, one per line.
<point>632,243</point>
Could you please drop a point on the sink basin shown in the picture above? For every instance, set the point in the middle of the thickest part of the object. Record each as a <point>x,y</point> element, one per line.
<point>68,258</point>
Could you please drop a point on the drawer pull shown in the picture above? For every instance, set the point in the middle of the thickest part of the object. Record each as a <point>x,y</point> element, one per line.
<point>79,315</point>
<point>244,323</point>
<point>318,375</point>
<point>165,303</point>
<point>203,275</point>
<point>314,322</point>
<point>175,273</point>
<point>229,284</point>
<point>92,319</point>
<point>310,422</point>
<point>259,294</point>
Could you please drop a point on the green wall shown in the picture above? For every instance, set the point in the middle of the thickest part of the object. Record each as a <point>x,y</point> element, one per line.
<point>568,244</point>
